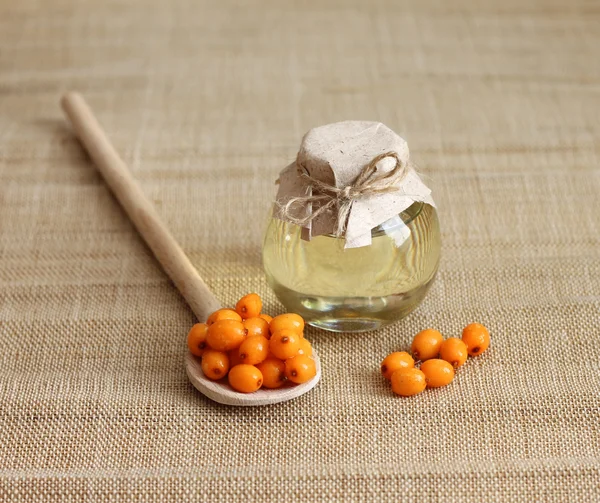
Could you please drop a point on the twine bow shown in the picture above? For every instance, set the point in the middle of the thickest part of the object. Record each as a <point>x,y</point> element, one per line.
<point>367,183</point>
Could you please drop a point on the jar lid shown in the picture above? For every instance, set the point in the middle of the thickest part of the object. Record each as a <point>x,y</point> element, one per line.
<point>348,178</point>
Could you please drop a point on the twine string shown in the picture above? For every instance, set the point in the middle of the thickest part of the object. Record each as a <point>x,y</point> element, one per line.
<point>332,198</point>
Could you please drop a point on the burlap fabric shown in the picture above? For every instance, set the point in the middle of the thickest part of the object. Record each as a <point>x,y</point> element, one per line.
<point>207,101</point>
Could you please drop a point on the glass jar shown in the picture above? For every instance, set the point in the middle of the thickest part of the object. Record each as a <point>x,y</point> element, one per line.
<point>356,289</point>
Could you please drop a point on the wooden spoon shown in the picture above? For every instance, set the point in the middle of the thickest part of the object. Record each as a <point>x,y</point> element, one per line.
<point>166,250</point>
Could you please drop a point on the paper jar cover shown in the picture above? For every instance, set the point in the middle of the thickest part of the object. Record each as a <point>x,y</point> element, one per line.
<point>336,154</point>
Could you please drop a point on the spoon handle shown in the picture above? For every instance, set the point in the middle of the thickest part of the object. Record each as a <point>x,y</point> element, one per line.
<point>137,206</point>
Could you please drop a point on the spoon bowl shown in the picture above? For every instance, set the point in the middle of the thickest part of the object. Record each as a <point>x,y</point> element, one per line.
<point>221,392</point>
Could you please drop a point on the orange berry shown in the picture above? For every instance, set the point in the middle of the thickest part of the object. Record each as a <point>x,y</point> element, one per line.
<point>234,357</point>
<point>396,361</point>
<point>437,372</point>
<point>223,314</point>
<point>196,339</point>
<point>426,344</point>
<point>254,349</point>
<point>305,347</point>
<point>300,368</point>
<point>477,338</point>
<point>273,372</point>
<point>284,344</point>
<point>245,378</point>
<point>215,364</point>
<point>454,351</point>
<point>249,306</point>
<point>408,382</point>
<point>266,317</point>
<point>289,321</point>
<point>257,326</point>
<point>224,335</point>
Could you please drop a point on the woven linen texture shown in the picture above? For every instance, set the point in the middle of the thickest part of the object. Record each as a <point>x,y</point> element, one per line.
<point>207,102</point>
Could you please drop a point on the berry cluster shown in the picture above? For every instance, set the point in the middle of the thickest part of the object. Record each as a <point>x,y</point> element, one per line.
<point>438,359</point>
<point>253,349</point>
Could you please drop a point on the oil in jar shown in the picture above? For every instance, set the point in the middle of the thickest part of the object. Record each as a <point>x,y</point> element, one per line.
<point>355,289</point>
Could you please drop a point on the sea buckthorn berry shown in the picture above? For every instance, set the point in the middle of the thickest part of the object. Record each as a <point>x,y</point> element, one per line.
<point>290,321</point>
<point>477,338</point>
<point>249,306</point>
<point>257,326</point>
<point>426,344</point>
<point>223,314</point>
<point>224,335</point>
<point>305,348</point>
<point>234,357</point>
<point>215,364</point>
<point>273,372</point>
<point>245,378</point>
<point>254,349</point>
<point>408,382</point>
<point>266,317</point>
<point>396,361</point>
<point>196,339</point>
<point>454,351</point>
<point>284,344</point>
<point>300,368</point>
<point>437,372</point>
